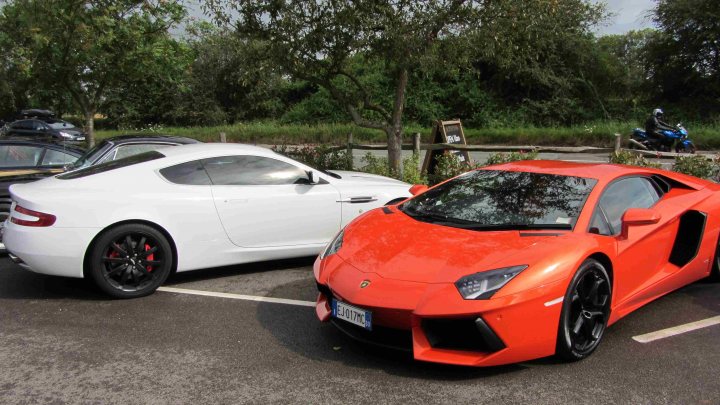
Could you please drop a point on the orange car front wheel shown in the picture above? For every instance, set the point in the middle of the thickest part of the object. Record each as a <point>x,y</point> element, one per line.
<point>585,312</point>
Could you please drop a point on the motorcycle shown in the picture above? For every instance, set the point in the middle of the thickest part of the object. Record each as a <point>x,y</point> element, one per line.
<point>676,139</point>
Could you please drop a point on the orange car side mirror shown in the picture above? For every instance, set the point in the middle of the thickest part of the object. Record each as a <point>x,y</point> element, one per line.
<point>637,217</point>
<point>418,189</point>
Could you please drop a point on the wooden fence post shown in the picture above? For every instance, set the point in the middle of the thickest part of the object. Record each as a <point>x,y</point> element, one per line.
<point>223,138</point>
<point>416,143</point>
<point>349,152</point>
<point>618,142</point>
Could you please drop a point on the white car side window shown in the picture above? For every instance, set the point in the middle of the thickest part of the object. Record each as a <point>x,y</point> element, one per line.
<point>252,170</point>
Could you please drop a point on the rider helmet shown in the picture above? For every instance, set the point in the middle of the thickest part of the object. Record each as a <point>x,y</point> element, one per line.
<point>658,112</point>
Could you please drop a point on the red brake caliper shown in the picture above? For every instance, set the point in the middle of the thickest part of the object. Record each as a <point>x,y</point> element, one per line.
<point>151,256</point>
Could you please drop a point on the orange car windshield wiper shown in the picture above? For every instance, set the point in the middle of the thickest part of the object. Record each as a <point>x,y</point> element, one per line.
<point>435,218</point>
<point>510,227</point>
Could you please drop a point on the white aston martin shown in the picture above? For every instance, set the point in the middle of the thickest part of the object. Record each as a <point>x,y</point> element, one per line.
<point>129,223</point>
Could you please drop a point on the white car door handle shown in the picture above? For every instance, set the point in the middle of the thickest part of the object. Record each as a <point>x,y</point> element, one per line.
<point>237,201</point>
<point>357,200</point>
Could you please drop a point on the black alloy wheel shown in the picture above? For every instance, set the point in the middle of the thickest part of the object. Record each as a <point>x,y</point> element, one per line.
<point>131,261</point>
<point>585,312</point>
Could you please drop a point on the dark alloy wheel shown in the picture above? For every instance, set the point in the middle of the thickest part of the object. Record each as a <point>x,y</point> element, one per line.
<point>585,312</point>
<point>130,261</point>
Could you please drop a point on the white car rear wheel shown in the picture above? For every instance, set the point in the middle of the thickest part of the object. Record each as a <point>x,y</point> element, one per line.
<point>130,261</point>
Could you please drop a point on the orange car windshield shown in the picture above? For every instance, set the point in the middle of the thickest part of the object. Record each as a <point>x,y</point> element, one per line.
<point>498,200</point>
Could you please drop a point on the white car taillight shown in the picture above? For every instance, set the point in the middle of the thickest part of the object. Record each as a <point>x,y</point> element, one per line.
<point>42,219</point>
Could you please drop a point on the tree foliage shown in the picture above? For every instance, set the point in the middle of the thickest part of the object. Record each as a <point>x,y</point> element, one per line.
<point>85,48</point>
<point>380,64</point>
<point>683,60</point>
<point>331,44</point>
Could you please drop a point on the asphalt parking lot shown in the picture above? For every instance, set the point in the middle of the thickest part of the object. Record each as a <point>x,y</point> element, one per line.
<point>61,341</point>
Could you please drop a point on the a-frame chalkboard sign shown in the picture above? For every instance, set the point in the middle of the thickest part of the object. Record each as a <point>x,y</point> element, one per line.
<point>445,132</point>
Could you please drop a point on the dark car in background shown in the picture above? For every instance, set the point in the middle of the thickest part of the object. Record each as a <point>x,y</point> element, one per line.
<point>126,145</point>
<point>45,129</point>
<point>24,161</point>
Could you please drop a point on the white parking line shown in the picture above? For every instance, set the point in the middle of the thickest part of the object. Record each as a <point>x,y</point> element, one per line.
<point>677,330</point>
<point>238,296</point>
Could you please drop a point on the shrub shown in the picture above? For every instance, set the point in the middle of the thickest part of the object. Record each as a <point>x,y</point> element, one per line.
<point>411,170</point>
<point>379,165</point>
<point>624,157</point>
<point>375,165</point>
<point>497,158</point>
<point>697,165</point>
<point>448,166</point>
<point>320,157</point>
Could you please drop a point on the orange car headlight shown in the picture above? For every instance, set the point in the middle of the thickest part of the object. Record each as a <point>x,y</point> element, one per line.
<point>334,245</point>
<point>482,286</point>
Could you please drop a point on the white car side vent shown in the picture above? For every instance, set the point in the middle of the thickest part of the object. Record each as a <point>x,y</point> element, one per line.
<point>357,200</point>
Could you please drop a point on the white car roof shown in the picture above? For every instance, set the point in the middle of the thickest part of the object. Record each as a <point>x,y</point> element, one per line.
<point>203,150</point>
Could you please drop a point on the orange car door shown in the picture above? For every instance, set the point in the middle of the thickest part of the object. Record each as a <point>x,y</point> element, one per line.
<point>641,255</point>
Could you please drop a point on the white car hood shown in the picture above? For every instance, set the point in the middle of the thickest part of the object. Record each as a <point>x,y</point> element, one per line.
<point>366,178</point>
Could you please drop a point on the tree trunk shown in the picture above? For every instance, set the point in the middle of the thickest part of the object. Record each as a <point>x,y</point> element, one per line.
<point>90,128</point>
<point>394,141</point>
<point>395,131</point>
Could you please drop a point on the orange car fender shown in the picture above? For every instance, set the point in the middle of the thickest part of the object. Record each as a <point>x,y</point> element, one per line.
<point>561,263</point>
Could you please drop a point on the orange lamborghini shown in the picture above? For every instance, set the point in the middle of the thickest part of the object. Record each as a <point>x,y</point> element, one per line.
<point>518,261</point>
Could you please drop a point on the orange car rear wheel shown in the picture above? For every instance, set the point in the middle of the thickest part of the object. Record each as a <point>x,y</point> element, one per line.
<point>715,272</point>
<point>585,312</point>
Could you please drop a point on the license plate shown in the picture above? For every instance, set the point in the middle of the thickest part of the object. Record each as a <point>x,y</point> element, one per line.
<point>354,315</point>
<point>80,138</point>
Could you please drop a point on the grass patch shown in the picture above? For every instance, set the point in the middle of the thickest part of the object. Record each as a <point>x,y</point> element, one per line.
<point>705,136</point>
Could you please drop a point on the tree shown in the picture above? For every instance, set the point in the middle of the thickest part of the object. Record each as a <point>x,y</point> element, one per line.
<point>622,70</point>
<point>327,42</point>
<point>225,76</point>
<point>685,58</point>
<point>85,48</point>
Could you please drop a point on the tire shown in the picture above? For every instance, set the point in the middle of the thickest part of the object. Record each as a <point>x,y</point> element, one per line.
<point>715,271</point>
<point>130,261</point>
<point>585,313</point>
<point>683,149</point>
<point>4,214</point>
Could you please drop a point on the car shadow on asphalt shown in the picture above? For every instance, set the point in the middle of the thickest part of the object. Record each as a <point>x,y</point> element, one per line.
<point>16,283</point>
<point>237,269</point>
<point>298,329</point>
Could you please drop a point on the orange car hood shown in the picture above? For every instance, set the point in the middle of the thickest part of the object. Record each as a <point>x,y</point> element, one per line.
<point>395,246</point>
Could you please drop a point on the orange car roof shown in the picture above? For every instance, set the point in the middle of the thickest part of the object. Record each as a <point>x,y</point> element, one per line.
<point>603,172</point>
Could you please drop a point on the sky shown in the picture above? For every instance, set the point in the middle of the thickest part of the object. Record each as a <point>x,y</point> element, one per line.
<point>627,15</point>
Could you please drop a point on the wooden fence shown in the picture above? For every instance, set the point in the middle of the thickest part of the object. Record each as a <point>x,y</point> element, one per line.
<point>416,147</point>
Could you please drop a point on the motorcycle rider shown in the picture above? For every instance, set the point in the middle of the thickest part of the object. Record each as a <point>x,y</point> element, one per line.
<point>654,125</point>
